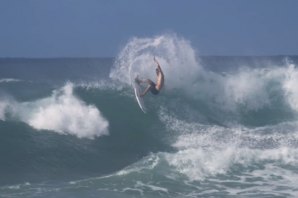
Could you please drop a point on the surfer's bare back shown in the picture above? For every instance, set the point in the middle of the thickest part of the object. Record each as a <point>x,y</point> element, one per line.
<point>154,88</point>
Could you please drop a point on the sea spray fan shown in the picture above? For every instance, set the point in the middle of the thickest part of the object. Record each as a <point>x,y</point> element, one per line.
<point>176,56</point>
<point>64,113</point>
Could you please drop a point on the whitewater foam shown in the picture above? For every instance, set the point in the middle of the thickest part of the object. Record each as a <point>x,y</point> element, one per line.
<point>62,112</point>
<point>65,113</point>
<point>208,150</point>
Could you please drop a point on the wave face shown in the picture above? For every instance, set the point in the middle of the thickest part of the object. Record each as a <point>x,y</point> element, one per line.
<point>221,127</point>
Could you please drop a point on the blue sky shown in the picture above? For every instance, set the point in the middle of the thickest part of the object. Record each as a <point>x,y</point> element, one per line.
<point>100,28</point>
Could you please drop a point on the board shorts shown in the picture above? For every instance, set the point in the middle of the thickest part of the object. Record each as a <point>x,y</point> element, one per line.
<point>153,89</point>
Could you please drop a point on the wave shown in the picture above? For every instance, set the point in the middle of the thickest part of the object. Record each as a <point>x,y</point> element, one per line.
<point>206,130</point>
<point>62,112</point>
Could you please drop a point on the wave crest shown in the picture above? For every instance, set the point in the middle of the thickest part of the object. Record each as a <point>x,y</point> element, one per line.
<point>65,113</point>
<point>62,112</point>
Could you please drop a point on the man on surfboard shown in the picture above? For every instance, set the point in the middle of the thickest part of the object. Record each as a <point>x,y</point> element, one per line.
<point>154,88</point>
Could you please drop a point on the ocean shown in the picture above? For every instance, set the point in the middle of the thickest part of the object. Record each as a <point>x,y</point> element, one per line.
<point>222,126</point>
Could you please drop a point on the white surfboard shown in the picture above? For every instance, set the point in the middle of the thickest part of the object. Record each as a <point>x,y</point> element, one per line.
<point>137,90</point>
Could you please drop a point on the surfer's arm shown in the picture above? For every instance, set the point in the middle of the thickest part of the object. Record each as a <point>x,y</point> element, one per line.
<point>158,65</point>
<point>156,62</point>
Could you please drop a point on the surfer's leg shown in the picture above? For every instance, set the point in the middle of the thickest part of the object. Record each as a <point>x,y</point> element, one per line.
<point>148,81</point>
<point>145,91</point>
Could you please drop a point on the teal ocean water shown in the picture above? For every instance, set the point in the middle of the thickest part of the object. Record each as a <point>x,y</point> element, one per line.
<point>221,127</point>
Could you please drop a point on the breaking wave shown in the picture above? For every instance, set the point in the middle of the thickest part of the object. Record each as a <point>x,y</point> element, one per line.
<point>62,112</point>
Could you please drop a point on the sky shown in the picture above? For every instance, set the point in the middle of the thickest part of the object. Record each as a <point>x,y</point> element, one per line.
<point>100,28</point>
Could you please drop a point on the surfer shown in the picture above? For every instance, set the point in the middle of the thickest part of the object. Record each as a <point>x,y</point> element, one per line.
<point>154,88</point>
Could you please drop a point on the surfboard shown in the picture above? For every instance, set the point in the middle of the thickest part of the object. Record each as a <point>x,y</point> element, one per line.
<point>137,90</point>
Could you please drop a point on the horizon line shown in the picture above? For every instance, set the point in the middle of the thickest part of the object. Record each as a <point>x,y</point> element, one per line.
<point>112,57</point>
